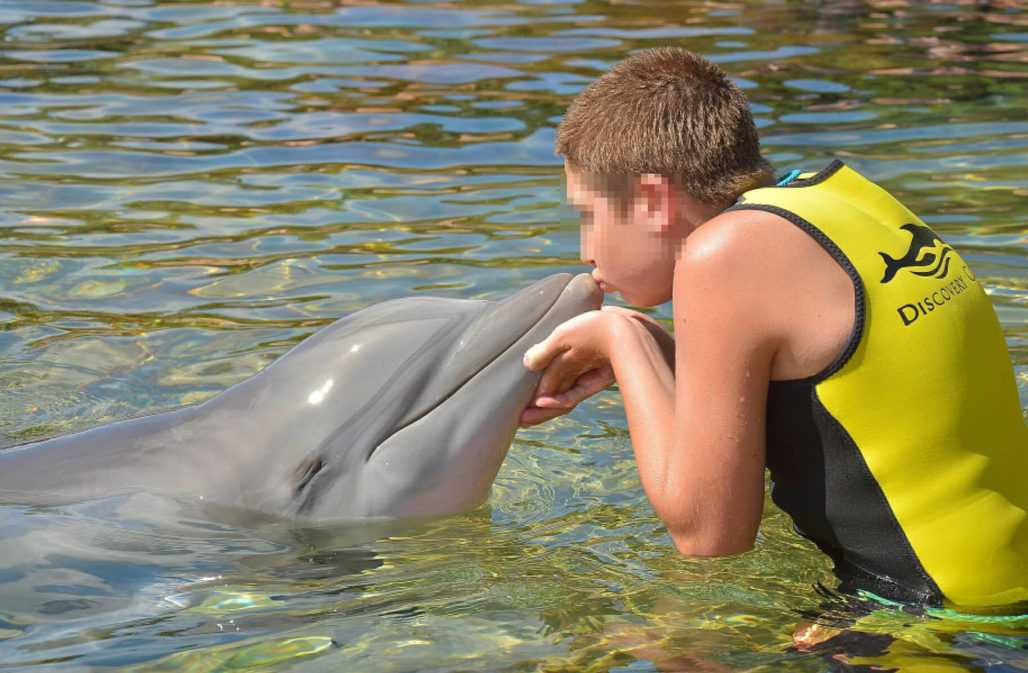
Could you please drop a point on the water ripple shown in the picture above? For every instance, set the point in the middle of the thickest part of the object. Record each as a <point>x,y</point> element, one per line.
<point>189,189</point>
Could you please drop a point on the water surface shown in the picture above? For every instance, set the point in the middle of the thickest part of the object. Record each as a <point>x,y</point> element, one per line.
<point>187,189</point>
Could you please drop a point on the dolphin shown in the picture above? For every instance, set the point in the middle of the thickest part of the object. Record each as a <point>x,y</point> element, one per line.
<point>405,408</point>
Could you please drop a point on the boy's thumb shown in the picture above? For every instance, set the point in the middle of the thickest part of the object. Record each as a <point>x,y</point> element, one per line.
<point>531,356</point>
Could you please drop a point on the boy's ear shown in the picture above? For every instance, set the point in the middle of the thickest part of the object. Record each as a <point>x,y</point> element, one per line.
<point>653,202</point>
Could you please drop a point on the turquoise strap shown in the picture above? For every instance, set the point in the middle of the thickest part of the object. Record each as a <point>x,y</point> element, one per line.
<point>792,175</point>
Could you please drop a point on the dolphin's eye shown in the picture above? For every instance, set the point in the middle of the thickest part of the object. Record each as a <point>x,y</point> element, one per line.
<point>306,471</point>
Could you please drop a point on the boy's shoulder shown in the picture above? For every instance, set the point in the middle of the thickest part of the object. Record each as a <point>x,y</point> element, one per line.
<point>744,240</point>
<point>737,251</point>
<point>758,270</point>
<point>755,248</point>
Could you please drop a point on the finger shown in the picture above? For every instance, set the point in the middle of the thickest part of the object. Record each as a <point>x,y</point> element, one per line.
<point>567,382</point>
<point>551,402</point>
<point>597,379</point>
<point>534,416</point>
<point>558,376</point>
<point>586,386</point>
<point>540,355</point>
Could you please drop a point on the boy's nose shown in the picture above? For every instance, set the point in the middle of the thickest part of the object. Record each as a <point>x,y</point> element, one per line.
<point>585,249</point>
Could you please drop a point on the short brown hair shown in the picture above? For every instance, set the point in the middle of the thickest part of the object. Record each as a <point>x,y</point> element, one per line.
<point>666,111</point>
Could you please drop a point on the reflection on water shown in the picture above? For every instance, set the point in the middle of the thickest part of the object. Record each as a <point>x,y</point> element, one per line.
<point>188,189</point>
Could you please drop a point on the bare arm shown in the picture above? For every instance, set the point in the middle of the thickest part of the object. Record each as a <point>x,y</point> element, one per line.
<point>664,340</point>
<point>697,433</point>
<point>699,438</point>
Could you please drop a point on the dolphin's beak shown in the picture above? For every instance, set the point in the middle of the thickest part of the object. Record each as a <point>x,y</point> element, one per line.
<point>561,291</point>
<point>506,321</point>
<point>532,302</point>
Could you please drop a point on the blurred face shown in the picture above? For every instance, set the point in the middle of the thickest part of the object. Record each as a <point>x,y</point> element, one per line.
<point>632,249</point>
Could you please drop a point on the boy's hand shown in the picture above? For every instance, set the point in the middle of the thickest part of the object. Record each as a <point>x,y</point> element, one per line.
<point>544,408</point>
<point>577,365</point>
<point>664,339</point>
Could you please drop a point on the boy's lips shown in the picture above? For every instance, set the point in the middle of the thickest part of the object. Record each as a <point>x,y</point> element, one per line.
<point>602,283</point>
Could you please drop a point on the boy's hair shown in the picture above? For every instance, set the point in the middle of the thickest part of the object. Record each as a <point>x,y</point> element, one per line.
<point>670,112</point>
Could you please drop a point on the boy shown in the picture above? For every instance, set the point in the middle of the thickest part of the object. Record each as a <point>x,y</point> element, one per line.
<point>823,331</point>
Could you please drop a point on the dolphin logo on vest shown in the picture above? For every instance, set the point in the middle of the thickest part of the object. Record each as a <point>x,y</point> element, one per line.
<point>920,262</point>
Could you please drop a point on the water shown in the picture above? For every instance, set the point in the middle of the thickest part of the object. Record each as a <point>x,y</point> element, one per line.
<point>188,189</point>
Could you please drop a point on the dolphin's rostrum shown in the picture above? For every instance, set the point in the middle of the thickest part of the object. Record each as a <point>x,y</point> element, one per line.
<point>404,408</point>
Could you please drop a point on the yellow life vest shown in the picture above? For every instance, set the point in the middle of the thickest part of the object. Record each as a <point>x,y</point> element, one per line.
<point>907,459</point>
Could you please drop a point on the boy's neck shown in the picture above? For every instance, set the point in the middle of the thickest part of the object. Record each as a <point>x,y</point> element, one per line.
<point>694,212</point>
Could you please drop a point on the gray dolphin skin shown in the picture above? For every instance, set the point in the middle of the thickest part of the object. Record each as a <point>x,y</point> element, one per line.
<point>405,408</point>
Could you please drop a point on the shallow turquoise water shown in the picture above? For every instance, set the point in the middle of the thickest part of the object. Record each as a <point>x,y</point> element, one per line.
<point>187,189</point>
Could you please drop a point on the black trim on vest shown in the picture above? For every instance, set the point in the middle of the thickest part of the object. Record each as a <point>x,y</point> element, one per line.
<point>832,249</point>
<point>822,175</point>
<point>820,477</point>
